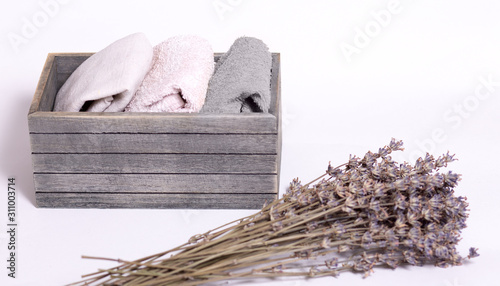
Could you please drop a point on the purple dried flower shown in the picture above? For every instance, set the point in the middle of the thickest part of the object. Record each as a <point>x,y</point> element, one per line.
<point>383,152</point>
<point>413,219</point>
<point>338,229</point>
<point>368,185</point>
<point>451,179</point>
<point>353,162</point>
<point>432,227</point>
<point>332,263</point>
<point>436,180</point>
<point>436,202</point>
<point>392,239</point>
<point>401,184</point>
<point>303,200</point>
<point>375,227</point>
<point>428,163</point>
<point>405,169</point>
<point>444,160</point>
<point>415,234</point>
<point>400,201</point>
<point>376,171</point>
<point>415,204</point>
<point>294,186</point>
<point>374,205</point>
<point>379,189</point>
<point>417,181</point>
<point>408,243</point>
<point>334,172</point>
<point>369,159</point>
<point>367,239</point>
<point>473,252</point>
<point>410,257</point>
<point>456,259</point>
<point>341,191</point>
<point>441,252</point>
<point>419,166</point>
<point>355,188</point>
<point>351,202</point>
<point>396,145</point>
<point>400,221</point>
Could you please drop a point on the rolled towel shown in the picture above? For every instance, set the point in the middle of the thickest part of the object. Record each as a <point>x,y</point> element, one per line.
<point>107,80</point>
<point>241,80</point>
<point>178,79</point>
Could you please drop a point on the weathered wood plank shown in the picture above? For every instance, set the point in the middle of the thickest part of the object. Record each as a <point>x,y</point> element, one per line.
<point>44,96</point>
<point>155,183</point>
<point>154,143</point>
<point>147,122</point>
<point>69,62</point>
<point>275,86</point>
<point>184,201</point>
<point>276,105</point>
<point>154,163</point>
<point>61,79</point>
<point>49,93</point>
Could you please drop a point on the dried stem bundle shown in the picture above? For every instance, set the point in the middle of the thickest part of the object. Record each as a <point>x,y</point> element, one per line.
<point>365,213</point>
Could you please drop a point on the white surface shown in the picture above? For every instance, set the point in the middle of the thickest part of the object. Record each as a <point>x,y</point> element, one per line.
<point>406,82</point>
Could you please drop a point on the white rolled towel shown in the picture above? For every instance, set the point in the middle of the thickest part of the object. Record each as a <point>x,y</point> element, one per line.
<point>107,81</point>
<point>179,76</point>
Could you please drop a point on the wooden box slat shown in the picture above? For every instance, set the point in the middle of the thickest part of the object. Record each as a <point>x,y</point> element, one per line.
<point>150,201</point>
<point>141,122</point>
<point>154,143</point>
<point>156,183</point>
<point>154,163</point>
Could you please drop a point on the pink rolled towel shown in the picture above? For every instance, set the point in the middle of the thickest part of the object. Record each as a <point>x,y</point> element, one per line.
<point>179,76</point>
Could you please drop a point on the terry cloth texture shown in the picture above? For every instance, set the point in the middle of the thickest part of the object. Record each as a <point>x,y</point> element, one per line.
<point>178,79</point>
<point>241,80</point>
<point>107,80</point>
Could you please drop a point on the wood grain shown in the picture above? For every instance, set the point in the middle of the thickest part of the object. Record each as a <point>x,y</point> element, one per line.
<point>154,163</point>
<point>156,183</point>
<point>143,122</point>
<point>45,90</point>
<point>147,201</point>
<point>154,143</point>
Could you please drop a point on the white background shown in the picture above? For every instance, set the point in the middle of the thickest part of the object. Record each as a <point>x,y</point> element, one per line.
<point>418,76</point>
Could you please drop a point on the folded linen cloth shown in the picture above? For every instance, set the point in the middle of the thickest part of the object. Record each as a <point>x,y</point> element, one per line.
<point>178,79</point>
<point>241,80</point>
<point>107,80</point>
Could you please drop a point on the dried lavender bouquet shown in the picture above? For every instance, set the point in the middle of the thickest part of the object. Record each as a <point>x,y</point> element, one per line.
<point>366,213</point>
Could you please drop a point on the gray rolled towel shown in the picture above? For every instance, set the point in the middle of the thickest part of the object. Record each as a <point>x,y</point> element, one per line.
<point>241,79</point>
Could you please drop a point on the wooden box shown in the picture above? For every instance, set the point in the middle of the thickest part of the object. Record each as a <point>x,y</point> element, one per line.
<point>151,160</point>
